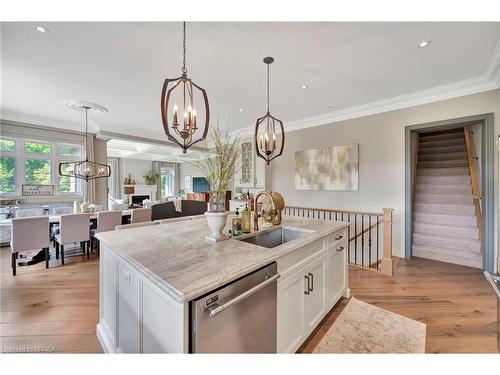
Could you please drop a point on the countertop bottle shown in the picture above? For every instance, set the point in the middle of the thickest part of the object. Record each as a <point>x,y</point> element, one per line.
<point>237,221</point>
<point>246,226</point>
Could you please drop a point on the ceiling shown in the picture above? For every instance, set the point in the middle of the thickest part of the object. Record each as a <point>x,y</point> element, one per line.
<point>122,67</point>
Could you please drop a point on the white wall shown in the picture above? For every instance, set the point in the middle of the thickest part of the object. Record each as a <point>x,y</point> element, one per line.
<point>188,170</point>
<point>136,169</point>
<point>381,141</point>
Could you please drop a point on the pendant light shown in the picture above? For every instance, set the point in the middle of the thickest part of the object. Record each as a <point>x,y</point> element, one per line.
<point>269,132</point>
<point>84,169</point>
<point>178,99</point>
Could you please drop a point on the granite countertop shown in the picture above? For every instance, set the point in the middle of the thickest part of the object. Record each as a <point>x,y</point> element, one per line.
<point>178,259</point>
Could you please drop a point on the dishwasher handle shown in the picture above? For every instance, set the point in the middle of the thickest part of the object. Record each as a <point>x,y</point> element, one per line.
<point>213,311</point>
<point>491,278</point>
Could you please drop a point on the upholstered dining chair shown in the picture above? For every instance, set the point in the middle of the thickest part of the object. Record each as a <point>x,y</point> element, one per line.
<point>106,221</point>
<point>73,228</point>
<point>29,233</point>
<point>140,215</point>
<point>135,225</point>
<point>28,212</point>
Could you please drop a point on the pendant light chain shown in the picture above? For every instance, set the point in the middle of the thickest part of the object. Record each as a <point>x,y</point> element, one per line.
<point>268,88</point>
<point>184,70</point>
<point>86,132</point>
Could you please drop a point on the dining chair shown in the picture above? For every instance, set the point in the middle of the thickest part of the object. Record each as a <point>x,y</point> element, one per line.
<point>140,215</point>
<point>135,225</point>
<point>29,233</point>
<point>106,221</point>
<point>74,228</point>
<point>54,228</point>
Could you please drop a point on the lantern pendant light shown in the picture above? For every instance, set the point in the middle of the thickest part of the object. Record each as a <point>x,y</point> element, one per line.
<point>84,169</point>
<point>269,132</point>
<point>178,99</point>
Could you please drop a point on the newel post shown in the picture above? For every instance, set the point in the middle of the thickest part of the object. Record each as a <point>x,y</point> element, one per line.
<point>386,265</point>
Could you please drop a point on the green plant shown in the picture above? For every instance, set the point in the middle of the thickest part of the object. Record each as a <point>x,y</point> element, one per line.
<point>151,177</point>
<point>218,166</point>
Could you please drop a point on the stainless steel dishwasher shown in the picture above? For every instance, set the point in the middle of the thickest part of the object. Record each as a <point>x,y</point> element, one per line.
<point>238,318</point>
<point>495,283</point>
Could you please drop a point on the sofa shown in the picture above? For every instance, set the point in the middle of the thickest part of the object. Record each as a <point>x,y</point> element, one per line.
<point>167,210</point>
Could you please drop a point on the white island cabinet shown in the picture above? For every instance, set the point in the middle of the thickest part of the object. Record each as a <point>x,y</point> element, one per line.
<point>149,276</point>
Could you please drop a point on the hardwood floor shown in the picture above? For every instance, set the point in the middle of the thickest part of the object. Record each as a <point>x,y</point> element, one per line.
<point>456,302</point>
<point>50,310</point>
<point>57,309</point>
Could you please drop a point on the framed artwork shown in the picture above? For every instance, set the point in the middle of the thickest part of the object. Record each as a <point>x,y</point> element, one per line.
<point>328,168</point>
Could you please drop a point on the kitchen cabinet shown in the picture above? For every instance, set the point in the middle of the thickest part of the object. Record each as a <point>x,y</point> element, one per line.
<point>128,306</point>
<point>337,272</point>
<point>315,295</point>
<point>314,279</point>
<point>251,169</point>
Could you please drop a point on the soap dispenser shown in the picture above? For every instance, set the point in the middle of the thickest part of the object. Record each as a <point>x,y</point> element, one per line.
<point>246,220</point>
<point>237,224</point>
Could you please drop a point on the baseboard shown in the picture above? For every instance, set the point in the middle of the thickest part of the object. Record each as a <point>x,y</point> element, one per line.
<point>104,339</point>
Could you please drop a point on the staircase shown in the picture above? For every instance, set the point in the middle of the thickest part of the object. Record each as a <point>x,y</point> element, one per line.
<point>445,222</point>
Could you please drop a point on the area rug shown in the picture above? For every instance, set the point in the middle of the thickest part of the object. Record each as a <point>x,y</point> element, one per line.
<point>364,328</point>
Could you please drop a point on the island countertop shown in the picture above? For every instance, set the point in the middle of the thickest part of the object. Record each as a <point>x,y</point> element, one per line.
<point>178,259</point>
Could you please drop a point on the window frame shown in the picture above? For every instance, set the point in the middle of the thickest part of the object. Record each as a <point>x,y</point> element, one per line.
<point>21,155</point>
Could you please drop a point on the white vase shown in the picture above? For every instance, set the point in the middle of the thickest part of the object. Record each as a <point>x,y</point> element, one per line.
<point>216,222</point>
<point>84,207</point>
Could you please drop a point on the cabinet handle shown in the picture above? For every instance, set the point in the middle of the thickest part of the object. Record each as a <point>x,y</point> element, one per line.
<point>312,281</point>
<point>340,248</point>
<point>308,287</point>
<point>339,237</point>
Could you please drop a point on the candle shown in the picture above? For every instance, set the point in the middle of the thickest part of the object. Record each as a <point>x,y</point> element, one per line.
<point>176,110</point>
<point>274,142</point>
<point>194,118</point>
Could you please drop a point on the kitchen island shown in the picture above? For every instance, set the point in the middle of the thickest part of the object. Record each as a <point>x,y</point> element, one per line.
<point>149,275</point>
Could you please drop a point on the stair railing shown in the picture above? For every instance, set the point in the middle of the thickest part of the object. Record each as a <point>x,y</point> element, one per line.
<point>370,234</point>
<point>476,192</point>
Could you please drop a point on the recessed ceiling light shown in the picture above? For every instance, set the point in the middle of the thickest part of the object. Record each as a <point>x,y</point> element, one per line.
<point>425,43</point>
<point>241,109</point>
<point>41,29</point>
<point>303,87</point>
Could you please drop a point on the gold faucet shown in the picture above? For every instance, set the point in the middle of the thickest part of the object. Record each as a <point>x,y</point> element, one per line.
<point>275,210</point>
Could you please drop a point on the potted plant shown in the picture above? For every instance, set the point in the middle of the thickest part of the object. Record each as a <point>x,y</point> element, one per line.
<point>218,166</point>
<point>151,177</point>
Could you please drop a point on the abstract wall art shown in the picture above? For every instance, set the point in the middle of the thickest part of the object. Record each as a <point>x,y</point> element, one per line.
<point>328,168</point>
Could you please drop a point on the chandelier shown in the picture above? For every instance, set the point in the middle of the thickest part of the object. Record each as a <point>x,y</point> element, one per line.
<point>84,169</point>
<point>269,132</point>
<point>178,98</point>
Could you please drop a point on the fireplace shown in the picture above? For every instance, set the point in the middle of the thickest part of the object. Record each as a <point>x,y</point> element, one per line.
<point>138,198</point>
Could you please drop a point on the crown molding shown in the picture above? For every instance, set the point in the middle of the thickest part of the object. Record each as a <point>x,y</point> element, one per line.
<point>489,80</point>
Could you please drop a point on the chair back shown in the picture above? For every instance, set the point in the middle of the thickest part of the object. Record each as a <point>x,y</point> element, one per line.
<point>135,225</point>
<point>108,220</point>
<point>29,212</point>
<point>140,215</point>
<point>74,228</point>
<point>163,211</point>
<point>29,233</point>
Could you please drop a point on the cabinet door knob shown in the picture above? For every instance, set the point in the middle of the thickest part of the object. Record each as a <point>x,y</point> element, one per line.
<point>308,285</point>
<point>339,237</point>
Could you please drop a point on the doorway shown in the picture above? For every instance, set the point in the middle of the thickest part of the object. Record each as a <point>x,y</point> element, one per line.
<point>439,131</point>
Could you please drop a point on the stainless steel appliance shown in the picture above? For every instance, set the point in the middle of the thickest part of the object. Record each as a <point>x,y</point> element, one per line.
<point>239,317</point>
<point>495,283</point>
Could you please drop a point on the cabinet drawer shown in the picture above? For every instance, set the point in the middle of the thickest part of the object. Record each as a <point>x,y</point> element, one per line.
<point>297,259</point>
<point>339,238</point>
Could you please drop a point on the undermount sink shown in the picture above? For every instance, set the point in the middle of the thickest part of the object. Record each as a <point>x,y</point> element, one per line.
<point>276,237</point>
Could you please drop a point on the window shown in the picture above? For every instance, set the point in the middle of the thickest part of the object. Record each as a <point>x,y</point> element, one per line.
<point>37,148</point>
<point>7,145</point>
<point>70,150</point>
<point>7,174</point>
<point>68,184</point>
<point>36,162</point>
<point>37,172</point>
<point>167,181</point>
